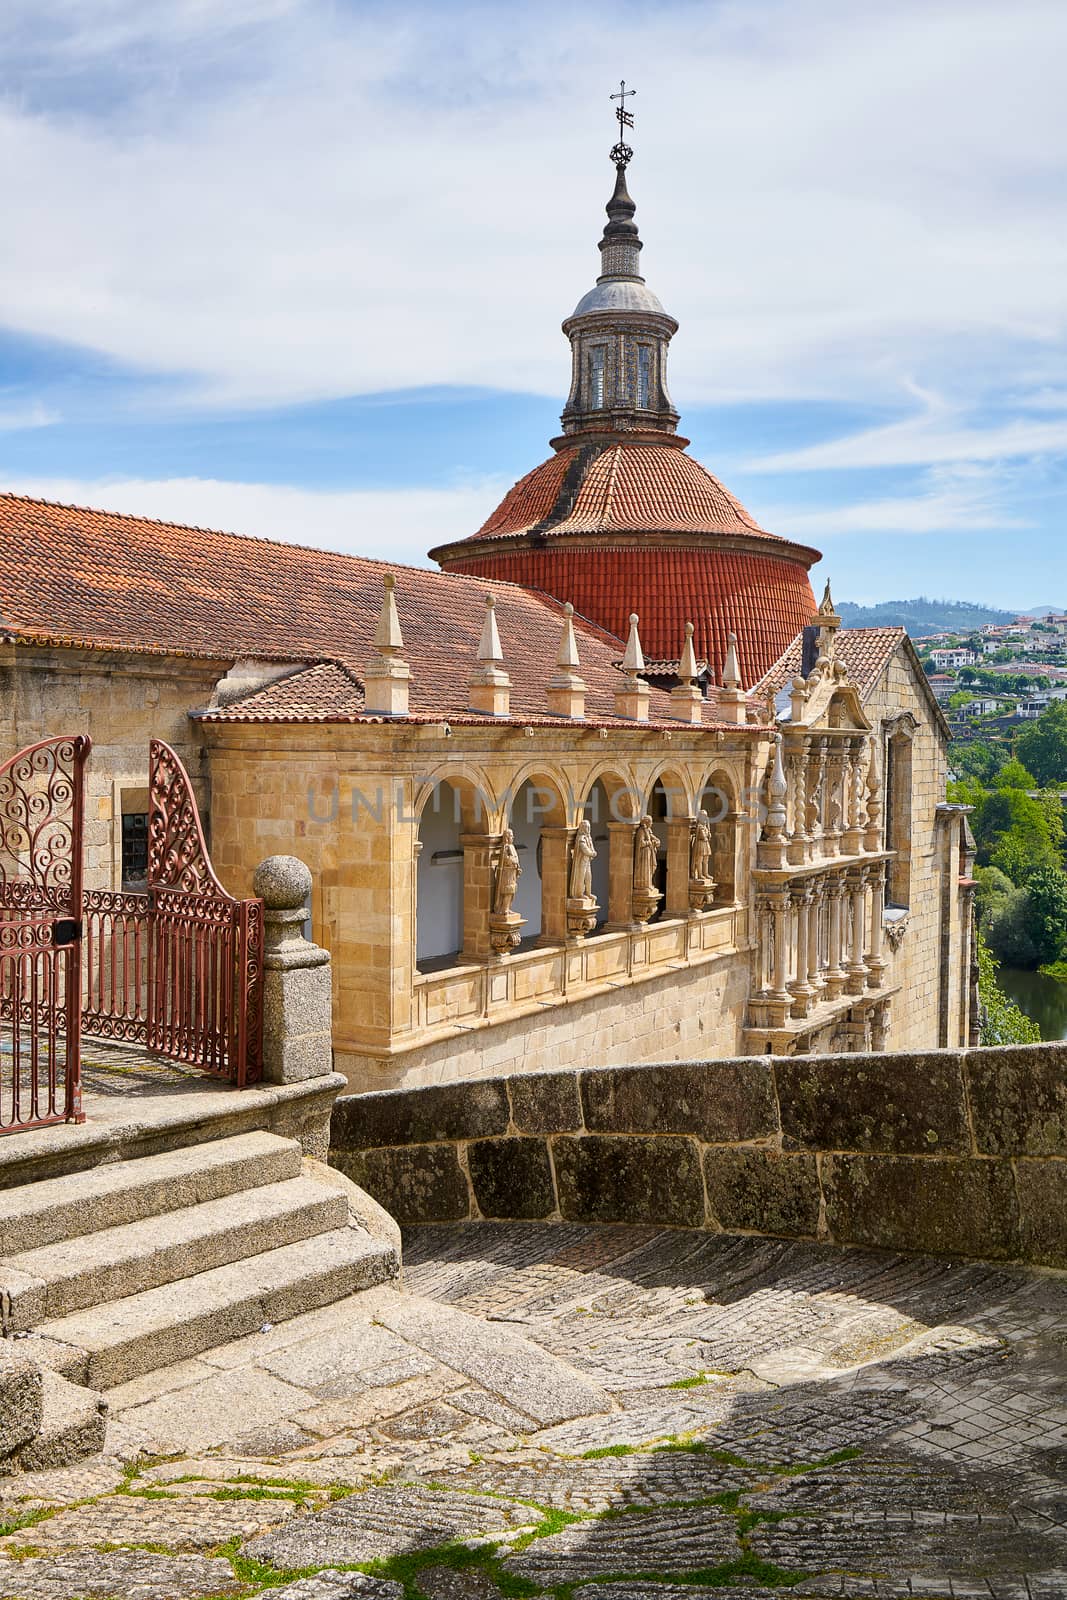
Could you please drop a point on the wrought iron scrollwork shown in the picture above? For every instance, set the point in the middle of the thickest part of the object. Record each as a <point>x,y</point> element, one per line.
<point>40,791</point>
<point>177,851</point>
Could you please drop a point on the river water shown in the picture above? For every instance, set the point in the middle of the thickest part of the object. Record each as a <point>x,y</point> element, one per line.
<point>1043,999</point>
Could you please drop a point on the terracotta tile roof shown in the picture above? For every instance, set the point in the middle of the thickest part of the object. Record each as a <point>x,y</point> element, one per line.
<point>327,692</point>
<point>104,580</point>
<point>620,487</point>
<point>764,599</point>
<point>866,653</point>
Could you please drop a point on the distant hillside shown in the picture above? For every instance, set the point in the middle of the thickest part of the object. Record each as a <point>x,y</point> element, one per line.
<point>922,616</point>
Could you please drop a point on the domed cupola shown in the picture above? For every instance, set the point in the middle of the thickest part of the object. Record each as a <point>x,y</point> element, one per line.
<point>619,333</point>
<point>621,518</point>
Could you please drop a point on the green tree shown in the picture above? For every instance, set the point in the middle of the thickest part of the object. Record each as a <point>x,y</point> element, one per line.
<point>1011,931</point>
<point>977,760</point>
<point>968,791</point>
<point>994,888</point>
<point>1043,745</point>
<point>1046,891</point>
<point>1013,775</point>
<point>1001,1021</point>
<point>1013,831</point>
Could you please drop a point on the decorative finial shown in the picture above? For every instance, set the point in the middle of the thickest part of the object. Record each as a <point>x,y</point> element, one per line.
<point>387,635</point>
<point>566,691</point>
<point>489,645</point>
<point>632,699</point>
<point>621,153</point>
<point>386,677</point>
<point>633,661</point>
<point>567,660</point>
<point>687,666</point>
<point>490,686</point>
<point>731,672</point>
<point>686,699</point>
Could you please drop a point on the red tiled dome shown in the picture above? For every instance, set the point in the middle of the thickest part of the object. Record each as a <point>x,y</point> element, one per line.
<point>617,527</point>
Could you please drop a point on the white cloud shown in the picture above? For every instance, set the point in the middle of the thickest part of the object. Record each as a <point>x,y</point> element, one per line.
<point>289,199</point>
<point>921,441</point>
<point>32,415</point>
<point>959,500</point>
<point>401,524</point>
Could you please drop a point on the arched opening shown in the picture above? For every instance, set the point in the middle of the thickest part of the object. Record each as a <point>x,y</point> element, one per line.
<point>537,819</point>
<point>611,807</point>
<point>898,815</point>
<point>439,879</point>
<point>597,812</point>
<point>718,799</point>
<point>668,807</point>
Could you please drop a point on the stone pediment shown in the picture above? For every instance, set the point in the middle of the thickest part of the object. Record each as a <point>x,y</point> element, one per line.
<point>827,699</point>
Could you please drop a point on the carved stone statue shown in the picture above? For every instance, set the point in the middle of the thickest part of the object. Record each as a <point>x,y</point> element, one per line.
<point>508,873</point>
<point>583,854</point>
<point>646,857</point>
<point>700,847</point>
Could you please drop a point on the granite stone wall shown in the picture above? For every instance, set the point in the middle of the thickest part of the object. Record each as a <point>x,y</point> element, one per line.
<point>955,1152</point>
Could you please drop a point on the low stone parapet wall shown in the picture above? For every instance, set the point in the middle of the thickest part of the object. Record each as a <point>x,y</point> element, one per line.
<point>955,1152</point>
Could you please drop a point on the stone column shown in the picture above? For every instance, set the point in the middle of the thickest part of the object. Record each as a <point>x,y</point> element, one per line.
<point>478,852</point>
<point>835,974</point>
<point>297,989</point>
<point>857,970</point>
<point>814,930</point>
<point>855,813</point>
<point>679,838</point>
<point>779,995</point>
<point>815,796</point>
<point>800,987</point>
<point>875,961</point>
<point>798,835</point>
<point>555,865</point>
<point>620,875</point>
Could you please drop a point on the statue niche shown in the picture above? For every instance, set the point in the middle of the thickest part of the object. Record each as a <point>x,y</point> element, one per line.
<point>646,896</point>
<point>581,903</point>
<point>505,923</point>
<point>701,882</point>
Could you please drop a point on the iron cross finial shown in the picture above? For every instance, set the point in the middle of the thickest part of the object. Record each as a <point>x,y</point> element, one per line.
<point>622,154</point>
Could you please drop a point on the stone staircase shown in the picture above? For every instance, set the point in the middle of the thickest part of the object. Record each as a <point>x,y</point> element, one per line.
<point>114,1272</point>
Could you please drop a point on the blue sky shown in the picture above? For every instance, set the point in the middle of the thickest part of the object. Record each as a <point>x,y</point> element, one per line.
<point>297,267</point>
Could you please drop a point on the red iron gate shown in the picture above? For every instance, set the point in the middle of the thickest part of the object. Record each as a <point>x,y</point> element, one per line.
<point>42,803</point>
<point>178,969</point>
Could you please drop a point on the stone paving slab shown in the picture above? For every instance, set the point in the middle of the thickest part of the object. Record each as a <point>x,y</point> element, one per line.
<point>133,1574</point>
<point>913,1540</point>
<point>656,1541</point>
<point>647,1479</point>
<point>179,1524</point>
<point>868,1425</point>
<point>521,1372</point>
<point>336,1586</point>
<point>389,1522</point>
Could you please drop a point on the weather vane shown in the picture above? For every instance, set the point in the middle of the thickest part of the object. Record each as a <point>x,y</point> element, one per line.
<point>621,153</point>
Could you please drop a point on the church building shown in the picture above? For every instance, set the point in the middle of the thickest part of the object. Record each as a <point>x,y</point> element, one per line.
<point>609,786</point>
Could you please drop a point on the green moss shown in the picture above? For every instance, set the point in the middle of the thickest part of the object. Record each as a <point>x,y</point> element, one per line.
<point>27,1519</point>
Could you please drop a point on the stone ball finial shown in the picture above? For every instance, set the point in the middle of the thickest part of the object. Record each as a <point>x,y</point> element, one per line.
<point>634,619</point>
<point>568,609</point>
<point>283,883</point>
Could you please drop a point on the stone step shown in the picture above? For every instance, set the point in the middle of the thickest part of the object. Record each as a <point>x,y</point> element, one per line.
<point>161,1326</point>
<point>38,1214</point>
<point>72,1426</point>
<point>69,1276</point>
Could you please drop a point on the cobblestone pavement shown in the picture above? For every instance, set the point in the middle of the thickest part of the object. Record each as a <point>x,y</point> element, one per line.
<point>592,1414</point>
